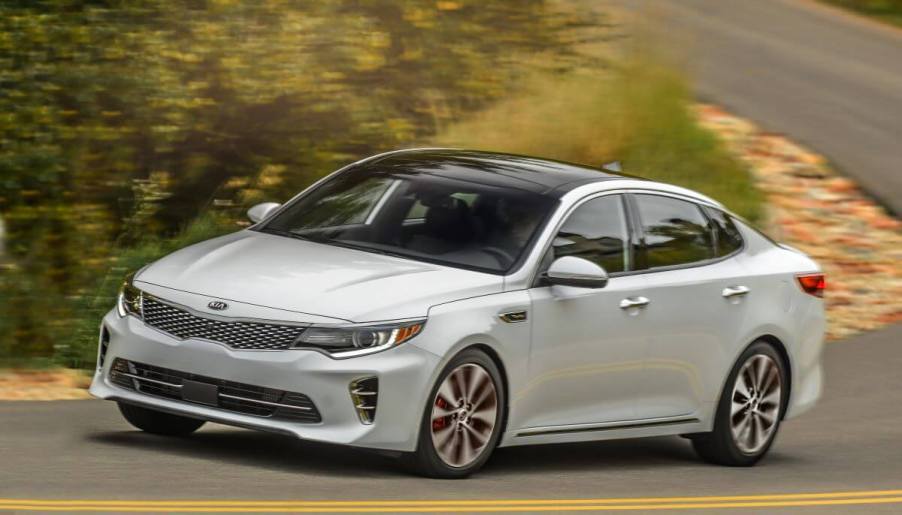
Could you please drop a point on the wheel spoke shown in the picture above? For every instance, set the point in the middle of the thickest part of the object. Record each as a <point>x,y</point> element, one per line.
<point>446,393</point>
<point>476,381</point>
<point>759,431</point>
<point>768,418</point>
<point>770,381</point>
<point>487,394</point>
<point>771,399</point>
<point>439,412</point>
<point>477,437</point>
<point>443,437</point>
<point>467,452</point>
<point>486,416</point>
<point>740,427</point>
<point>742,386</point>
<point>762,367</point>
<point>458,385</point>
<point>737,407</point>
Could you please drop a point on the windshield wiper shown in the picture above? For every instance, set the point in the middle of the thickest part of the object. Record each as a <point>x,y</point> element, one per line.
<point>288,234</point>
<point>363,248</point>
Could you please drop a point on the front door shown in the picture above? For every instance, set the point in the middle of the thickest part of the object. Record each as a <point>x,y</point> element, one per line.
<point>587,352</point>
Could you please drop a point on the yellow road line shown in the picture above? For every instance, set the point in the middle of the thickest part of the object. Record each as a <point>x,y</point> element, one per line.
<point>471,506</point>
<point>462,509</point>
<point>458,502</point>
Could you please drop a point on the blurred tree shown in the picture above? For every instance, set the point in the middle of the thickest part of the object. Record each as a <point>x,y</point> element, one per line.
<point>121,120</point>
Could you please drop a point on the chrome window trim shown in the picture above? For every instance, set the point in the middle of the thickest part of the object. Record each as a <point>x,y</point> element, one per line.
<point>693,264</point>
<point>633,230</point>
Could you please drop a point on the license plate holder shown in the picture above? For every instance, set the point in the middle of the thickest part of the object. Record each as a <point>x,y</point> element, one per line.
<point>202,393</point>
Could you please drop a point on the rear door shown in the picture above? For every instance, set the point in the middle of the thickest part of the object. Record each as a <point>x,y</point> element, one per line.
<point>696,302</point>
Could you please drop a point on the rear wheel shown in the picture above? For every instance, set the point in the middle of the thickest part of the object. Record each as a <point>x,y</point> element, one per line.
<point>158,422</point>
<point>750,409</point>
<point>462,422</point>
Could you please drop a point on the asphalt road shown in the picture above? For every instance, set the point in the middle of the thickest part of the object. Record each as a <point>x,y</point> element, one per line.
<point>852,441</point>
<point>829,79</point>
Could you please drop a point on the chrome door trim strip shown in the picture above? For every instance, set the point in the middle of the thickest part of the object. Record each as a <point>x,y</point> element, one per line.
<point>606,427</point>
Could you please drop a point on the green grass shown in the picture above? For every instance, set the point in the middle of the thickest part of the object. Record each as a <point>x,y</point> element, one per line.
<point>889,11</point>
<point>639,114</point>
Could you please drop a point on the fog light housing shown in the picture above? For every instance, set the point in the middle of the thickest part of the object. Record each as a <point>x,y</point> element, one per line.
<point>103,345</point>
<point>365,395</point>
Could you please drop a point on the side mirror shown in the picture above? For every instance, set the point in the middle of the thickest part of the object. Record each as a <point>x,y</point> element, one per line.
<point>259,212</point>
<point>577,272</point>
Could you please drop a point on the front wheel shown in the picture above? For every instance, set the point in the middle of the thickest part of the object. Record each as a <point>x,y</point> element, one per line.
<point>462,422</point>
<point>158,422</point>
<point>750,409</point>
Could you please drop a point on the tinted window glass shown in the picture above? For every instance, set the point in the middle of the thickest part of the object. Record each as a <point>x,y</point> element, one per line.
<point>418,216</point>
<point>676,232</point>
<point>726,236</point>
<point>595,231</point>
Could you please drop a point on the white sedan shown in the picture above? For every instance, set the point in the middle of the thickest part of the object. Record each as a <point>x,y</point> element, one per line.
<point>439,303</point>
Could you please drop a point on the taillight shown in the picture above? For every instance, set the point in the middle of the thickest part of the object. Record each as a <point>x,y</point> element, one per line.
<point>813,284</point>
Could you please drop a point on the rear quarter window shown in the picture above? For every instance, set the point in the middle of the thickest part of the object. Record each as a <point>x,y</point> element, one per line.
<point>727,238</point>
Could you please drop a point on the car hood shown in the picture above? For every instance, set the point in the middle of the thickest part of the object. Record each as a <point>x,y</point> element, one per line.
<point>313,278</point>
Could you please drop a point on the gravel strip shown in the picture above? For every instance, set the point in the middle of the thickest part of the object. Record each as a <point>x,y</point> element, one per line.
<point>812,208</point>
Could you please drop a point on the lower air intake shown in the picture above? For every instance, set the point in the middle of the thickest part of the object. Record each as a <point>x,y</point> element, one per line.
<point>365,394</point>
<point>226,395</point>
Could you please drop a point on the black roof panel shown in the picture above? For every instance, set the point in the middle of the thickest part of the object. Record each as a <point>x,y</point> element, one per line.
<point>493,168</point>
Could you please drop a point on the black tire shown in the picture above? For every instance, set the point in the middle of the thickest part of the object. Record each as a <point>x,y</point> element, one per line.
<point>426,460</point>
<point>158,422</point>
<point>720,446</point>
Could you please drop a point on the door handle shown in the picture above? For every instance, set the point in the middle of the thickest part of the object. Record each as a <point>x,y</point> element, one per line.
<point>633,302</point>
<point>734,291</point>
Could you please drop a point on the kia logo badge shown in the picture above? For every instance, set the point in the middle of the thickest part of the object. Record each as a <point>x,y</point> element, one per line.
<point>218,305</point>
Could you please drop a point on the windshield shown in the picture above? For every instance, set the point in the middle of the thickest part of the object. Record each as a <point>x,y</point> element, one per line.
<point>418,216</point>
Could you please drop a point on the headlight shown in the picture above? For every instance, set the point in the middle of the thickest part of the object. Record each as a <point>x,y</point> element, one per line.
<point>354,341</point>
<point>129,302</point>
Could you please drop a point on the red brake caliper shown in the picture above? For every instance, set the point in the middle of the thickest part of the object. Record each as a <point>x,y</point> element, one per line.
<point>440,423</point>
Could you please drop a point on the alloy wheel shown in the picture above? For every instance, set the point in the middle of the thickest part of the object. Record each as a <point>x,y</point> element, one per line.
<point>464,414</point>
<point>755,406</point>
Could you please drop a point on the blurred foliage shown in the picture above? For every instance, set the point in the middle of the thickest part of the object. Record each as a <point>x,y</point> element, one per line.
<point>637,112</point>
<point>131,128</point>
<point>886,10</point>
<point>122,120</point>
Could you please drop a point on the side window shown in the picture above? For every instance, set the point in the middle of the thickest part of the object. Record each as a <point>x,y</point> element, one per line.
<point>596,231</point>
<point>727,238</point>
<point>675,231</point>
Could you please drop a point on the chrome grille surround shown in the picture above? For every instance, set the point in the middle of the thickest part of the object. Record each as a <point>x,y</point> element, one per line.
<point>247,399</point>
<point>237,334</point>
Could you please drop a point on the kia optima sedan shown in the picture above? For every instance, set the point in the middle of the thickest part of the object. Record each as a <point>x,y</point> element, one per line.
<point>437,304</point>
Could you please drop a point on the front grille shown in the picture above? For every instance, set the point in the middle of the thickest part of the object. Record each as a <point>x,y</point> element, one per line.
<point>242,398</point>
<point>238,335</point>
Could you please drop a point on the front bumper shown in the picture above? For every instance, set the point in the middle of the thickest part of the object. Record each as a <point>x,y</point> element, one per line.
<point>404,377</point>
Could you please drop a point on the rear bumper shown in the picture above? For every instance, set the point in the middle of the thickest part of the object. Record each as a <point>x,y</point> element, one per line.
<point>807,367</point>
<point>404,376</point>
